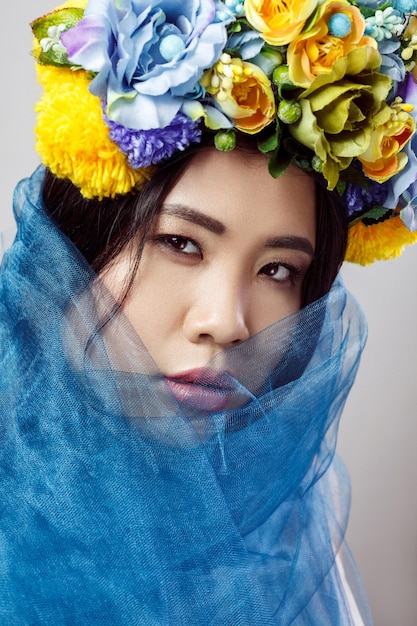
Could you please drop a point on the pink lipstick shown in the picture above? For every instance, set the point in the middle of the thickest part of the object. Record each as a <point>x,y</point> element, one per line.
<point>202,389</point>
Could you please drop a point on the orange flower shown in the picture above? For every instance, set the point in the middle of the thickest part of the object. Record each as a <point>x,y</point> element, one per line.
<point>243,92</point>
<point>384,156</point>
<point>315,51</point>
<point>381,241</point>
<point>279,21</point>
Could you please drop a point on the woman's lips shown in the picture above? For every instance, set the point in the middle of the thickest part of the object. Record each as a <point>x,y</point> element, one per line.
<point>202,389</point>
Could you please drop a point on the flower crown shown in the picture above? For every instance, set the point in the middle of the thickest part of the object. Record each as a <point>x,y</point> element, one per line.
<point>329,83</point>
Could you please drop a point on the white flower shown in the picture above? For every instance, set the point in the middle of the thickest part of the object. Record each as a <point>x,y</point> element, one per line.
<point>384,24</point>
<point>53,40</point>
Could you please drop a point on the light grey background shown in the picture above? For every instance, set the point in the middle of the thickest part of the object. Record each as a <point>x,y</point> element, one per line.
<point>378,437</point>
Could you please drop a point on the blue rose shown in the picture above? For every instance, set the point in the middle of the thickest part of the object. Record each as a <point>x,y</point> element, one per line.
<point>147,55</point>
<point>409,212</point>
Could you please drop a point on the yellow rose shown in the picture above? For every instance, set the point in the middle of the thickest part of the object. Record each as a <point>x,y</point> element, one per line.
<point>408,52</point>
<point>384,156</point>
<point>315,51</point>
<point>279,22</point>
<point>339,111</point>
<point>243,92</point>
<point>411,29</point>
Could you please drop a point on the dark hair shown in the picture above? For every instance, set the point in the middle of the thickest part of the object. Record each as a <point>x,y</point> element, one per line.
<point>100,229</point>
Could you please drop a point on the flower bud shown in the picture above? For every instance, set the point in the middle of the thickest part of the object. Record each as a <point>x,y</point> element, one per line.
<point>225,140</point>
<point>280,75</point>
<point>289,111</point>
<point>317,164</point>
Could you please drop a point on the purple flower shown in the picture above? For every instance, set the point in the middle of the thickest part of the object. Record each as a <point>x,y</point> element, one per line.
<point>148,55</point>
<point>359,200</point>
<point>147,147</point>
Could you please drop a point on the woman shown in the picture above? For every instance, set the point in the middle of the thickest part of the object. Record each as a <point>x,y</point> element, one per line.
<point>175,379</point>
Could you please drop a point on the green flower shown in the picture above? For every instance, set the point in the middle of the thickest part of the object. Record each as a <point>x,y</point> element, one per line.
<point>338,111</point>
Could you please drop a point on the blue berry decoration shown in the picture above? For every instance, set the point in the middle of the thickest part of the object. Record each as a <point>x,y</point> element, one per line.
<point>340,25</point>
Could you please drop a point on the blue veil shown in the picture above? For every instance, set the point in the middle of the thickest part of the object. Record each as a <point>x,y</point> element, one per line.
<point>121,506</point>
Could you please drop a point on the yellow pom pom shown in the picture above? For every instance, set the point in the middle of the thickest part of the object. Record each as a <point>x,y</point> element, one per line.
<point>382,241</point>
<point>73,140</point>
<point>78,4</point>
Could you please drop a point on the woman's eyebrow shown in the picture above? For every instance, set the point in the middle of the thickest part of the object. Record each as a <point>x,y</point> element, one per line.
<point>191,215</point>
<point>291,243</point>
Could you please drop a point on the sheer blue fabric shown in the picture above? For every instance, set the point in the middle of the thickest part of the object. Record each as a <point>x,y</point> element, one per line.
<point>121,506</point>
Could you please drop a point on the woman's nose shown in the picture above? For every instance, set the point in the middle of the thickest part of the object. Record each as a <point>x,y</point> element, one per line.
<point>218,315</point>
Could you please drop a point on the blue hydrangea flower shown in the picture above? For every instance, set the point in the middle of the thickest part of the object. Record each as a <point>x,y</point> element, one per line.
<point>147,54</point>
<point>149,147</point>
<point>252,48</point>
<point>391,62</point>
<point>405,6</point>
<point>248,42</point>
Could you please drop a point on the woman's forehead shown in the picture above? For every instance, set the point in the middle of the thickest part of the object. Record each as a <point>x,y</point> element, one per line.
<point>235,190</point>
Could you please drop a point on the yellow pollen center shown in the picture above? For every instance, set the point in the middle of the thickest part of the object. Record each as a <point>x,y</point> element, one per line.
<point>274,7</point>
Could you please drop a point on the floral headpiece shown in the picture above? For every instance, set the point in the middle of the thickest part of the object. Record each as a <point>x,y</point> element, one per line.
<point>329,83</point>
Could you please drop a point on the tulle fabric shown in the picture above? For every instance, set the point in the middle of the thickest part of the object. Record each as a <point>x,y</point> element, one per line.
<point>122,506</point>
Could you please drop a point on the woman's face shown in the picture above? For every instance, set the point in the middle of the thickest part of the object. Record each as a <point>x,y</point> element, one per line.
<point>226,258</point>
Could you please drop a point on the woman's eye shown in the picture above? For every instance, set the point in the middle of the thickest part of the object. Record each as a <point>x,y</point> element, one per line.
<point>276,271</point>
<point>180,244</point>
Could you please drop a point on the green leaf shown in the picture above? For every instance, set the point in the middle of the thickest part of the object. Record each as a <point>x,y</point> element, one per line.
<point>278,163</point>
<point>55,53</point>
<point>236,27</point>
<point>370,11</point>
<point>373,216</point>
<point>271,143</point>
<point>376,214</point>
<point>341,187</point>
<point>53,58</point>
<point>355,176</point>
<point>70,17</point>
